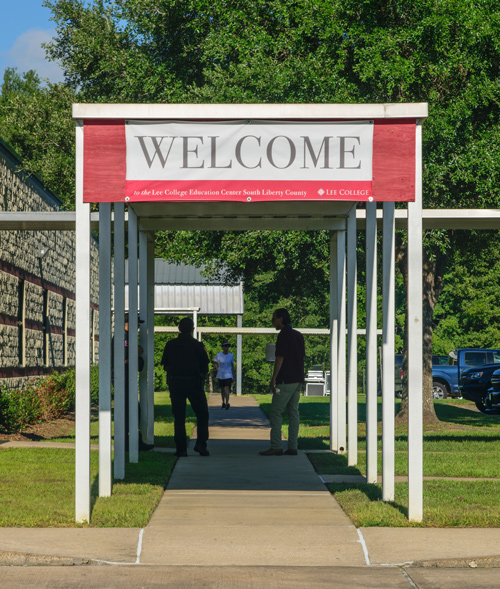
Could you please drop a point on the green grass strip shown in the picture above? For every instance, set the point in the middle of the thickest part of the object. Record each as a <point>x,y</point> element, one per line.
<point>38,486</point>
<point>134,499</point>
<point>436,464</point>
<point>447,504</point>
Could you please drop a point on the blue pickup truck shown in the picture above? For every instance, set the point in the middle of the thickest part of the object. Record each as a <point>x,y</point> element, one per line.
<point>398,365</point>
<point>473,364</point>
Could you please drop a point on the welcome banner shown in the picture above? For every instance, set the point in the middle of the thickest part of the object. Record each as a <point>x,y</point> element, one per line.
<point>248,161</point>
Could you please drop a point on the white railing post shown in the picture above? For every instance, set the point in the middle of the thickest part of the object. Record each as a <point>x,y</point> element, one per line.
<point>334,299</point>
<point>415,343</point>
<point>239,346</point>
<point>150,320</point>
<point>143,330</point>
<point>118,340</point>
<point>371,342</point>
<point>341,342</point>
<point>133,350</point>
<point>105,456</point>
<point>82,346</point>
<point>352,341</point>
<point>388,351</point>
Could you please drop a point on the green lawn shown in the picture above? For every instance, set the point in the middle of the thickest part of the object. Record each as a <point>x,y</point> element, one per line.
<point>38,484</point>
<point>465,444</point>
<point>164,424</point>
<point>446,504</point>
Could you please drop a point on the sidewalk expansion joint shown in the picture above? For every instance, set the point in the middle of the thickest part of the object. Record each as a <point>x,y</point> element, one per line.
<point>411,582</point>
<point>363,546</point>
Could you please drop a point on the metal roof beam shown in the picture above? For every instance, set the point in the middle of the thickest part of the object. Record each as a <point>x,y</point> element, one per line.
<point>42,221</point>
<point>440,218</point>
<point>251,330</point>
<point>432,219</point>
<point>250,111</point>
<point>241,223</point>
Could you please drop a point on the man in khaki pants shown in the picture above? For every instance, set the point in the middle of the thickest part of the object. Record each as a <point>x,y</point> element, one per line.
<point>286,382</point>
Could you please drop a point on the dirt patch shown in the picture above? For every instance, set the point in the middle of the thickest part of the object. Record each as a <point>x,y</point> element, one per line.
<point>469,407</point>
<point>42,431</point>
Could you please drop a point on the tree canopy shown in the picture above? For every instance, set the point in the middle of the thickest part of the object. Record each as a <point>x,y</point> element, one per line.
<point>467,314</point>
<point>36,121</point>
<point>444,52</point>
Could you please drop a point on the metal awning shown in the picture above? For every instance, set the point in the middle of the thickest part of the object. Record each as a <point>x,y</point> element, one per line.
<point>251,217</point>
<point>180,286</point>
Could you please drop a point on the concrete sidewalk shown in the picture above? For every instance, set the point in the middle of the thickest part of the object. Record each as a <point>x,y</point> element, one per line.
<point>241,512</point>
<point>241,509</point>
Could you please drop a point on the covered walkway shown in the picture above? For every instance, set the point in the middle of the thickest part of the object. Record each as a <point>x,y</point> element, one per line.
<point>296,167</point>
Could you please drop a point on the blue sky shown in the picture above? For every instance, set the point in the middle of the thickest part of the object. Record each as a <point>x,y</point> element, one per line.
<point>24,26</point>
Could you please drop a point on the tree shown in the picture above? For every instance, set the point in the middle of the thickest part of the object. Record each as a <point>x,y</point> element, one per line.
<point>36,122</point>
<point>445,52</point>
<point>467,315</point>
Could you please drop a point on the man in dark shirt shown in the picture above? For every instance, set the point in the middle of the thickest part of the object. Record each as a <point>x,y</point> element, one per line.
<point>186,362</point>
<point>286,382</point>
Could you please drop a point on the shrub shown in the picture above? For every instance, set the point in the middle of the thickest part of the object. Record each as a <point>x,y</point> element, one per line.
<point>18,407</point>
<point>160,379</point>
<point>48,397</point>
<point>94,385</point>
<point>67,380</point>
<point>54,399</point>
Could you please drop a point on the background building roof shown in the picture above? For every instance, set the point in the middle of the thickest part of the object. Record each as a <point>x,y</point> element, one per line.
<point>179,286</point>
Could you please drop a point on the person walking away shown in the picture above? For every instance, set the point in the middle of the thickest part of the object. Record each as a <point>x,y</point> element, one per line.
<point>224,362</point>
<point>186,363</point>
<point>286,383</point>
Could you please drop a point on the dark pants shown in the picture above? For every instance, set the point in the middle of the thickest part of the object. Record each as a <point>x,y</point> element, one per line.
<point>180,391</point>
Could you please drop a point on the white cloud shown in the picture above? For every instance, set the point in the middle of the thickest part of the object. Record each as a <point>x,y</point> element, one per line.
<point>27,53</point>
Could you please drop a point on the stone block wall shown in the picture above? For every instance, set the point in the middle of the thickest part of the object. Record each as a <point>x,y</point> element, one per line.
<point>37,292</point>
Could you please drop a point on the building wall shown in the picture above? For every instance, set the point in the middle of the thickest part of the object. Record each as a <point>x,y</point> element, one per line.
<point>37,292</point>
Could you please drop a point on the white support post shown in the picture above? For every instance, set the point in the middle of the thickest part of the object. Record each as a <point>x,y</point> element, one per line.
<point>119,342</point>
<point>333,343</point>
<point>143,330</point>
<point>133,351</point>
<point>105,455</point>
<point>195,321</point>
<point>93,319</point>
<point>352,341</point>
<point>82,347</point>
<point>371,342</point>
<point>341,342</point>
<point>388,350</point>
<point>150,320</point>
<point>415,343</point>
<point>239,342</point>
